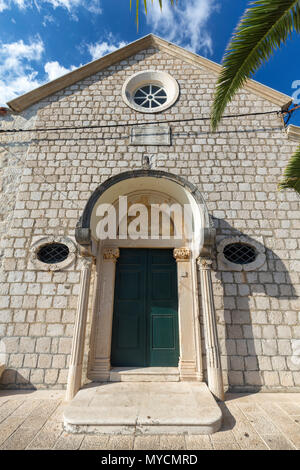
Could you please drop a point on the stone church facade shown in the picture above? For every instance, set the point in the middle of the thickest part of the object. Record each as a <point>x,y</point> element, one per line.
<point>238,324</point>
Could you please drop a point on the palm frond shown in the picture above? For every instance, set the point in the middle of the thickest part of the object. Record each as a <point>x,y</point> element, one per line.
<point>264,27</point>
<point>291,176</point>
<point>145,7</point>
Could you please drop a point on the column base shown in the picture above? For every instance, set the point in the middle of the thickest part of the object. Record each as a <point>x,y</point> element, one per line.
<point>100,371</point>
<point>187,371</point>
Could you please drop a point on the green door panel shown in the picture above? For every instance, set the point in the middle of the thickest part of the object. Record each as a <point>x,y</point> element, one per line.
<point>145,323</point>
<point>162,308</point>
<point>129,323</point>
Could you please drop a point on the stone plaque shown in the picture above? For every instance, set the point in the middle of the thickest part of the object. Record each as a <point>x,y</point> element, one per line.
<point>158,134</point>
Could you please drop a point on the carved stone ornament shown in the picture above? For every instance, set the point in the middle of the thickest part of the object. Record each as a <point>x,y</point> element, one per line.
<point>111,254</point>
<point>87,262</point>
<point>41,241</point>
<point>204,263</point>
<point>182,254</point>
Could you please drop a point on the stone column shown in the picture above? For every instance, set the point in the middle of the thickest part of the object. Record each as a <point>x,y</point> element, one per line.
<point>101,366</point>
<point>214,371</point>
<point>187,360</point>
<point>75,368</point>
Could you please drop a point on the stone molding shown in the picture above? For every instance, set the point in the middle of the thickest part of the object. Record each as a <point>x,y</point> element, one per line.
<point>39,242</point>
<point>226,265</point>
<point>182,254</point>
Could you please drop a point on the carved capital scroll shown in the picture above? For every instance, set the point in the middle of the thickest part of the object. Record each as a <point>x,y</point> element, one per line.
<point>182,254</point>
<point>111,254</point>
<point>204,263</point>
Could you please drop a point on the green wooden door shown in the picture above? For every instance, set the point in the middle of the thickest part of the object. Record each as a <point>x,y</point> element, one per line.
<point>145,323</point>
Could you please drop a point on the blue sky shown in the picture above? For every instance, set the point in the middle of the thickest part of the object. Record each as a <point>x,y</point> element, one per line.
<point>42,39</point>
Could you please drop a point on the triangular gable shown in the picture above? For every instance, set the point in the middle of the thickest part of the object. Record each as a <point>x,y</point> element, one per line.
<point>34,96</point>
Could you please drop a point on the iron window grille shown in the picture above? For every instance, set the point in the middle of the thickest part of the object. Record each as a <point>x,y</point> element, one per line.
<point>53,253</point>
<point>240,253</point>
<point>150,96</point>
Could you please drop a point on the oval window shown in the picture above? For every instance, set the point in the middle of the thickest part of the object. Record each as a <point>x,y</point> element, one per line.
<point>240,253</point>
<point>53,253</point>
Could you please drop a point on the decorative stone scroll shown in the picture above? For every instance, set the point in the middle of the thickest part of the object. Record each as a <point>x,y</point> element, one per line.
<point>111,254</point>
<point>182,254</point>
<point>205,263</point>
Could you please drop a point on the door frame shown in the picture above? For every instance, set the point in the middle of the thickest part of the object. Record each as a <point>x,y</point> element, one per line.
<point>200,246</point>
<point>190,354</point>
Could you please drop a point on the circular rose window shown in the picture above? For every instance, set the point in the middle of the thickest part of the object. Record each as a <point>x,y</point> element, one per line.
<point>150,91</point>
<point>150,96</point>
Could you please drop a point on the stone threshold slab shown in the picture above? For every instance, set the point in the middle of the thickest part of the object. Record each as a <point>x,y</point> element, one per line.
<point>144,374</point>
<point>143,408</point>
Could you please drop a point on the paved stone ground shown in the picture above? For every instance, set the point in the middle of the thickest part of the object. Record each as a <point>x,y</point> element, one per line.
<point>33,420</point>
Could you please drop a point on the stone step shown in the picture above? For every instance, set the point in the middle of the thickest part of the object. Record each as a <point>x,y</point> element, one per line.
<point>144,374</point>
<point>143,408</point>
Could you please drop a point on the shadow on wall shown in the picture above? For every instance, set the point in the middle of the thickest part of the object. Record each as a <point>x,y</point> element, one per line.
<point>253,348</point>
<point>11,379</point>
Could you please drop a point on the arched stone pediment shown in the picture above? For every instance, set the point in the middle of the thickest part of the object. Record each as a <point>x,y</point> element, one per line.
<point>150,182</point>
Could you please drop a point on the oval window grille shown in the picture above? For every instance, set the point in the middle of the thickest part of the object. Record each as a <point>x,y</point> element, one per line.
<point>239,253</point>
<point>53,253</point>
<point>150,96</point>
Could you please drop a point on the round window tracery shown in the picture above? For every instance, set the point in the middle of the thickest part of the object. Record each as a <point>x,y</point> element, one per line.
<point>150,96</point>
<point>150,91</point>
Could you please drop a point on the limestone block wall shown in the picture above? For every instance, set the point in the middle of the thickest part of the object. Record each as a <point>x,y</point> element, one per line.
<point>236,169</point>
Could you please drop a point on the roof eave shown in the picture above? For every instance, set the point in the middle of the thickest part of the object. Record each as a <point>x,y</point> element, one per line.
<point>28,99</point>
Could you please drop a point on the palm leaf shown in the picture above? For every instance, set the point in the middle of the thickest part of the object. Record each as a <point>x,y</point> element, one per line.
<point>145,7</point>
<point>264,27</point>
<point>291,177</point>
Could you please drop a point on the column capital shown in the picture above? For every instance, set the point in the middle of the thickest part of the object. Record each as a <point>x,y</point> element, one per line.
<point>204,263</point>
<point>111,254</point>
<point>86,262</point>
<point>182,254</point>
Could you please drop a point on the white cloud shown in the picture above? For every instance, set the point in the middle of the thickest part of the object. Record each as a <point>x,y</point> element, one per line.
<point>3,5</point>
<point>17,74</point>
<point>68,4</point>
<point>94,6</point>
<point>14,55</point>
<point>48,19</point>
<point>100,49</point>
<point>184,24</point>
<point>55,70</point>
